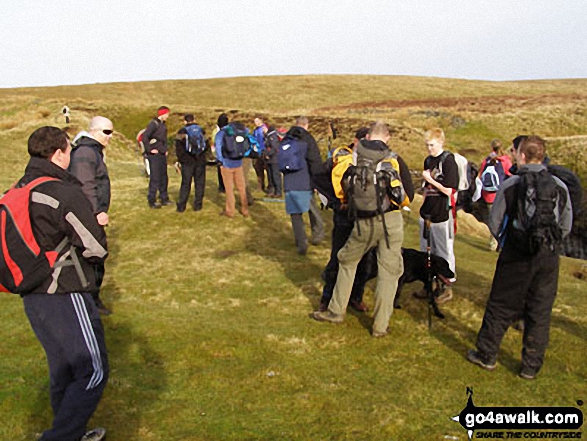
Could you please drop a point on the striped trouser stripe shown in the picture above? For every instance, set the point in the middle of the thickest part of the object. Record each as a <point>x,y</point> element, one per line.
<point>90,339</point>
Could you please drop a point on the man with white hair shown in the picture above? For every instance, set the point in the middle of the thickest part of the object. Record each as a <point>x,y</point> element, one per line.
<point>87,165</point>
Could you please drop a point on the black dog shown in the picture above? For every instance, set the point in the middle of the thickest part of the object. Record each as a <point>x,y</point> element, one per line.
<point>414,269</point>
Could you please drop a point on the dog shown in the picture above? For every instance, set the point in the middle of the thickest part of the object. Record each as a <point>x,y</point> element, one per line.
<point>415,269</point>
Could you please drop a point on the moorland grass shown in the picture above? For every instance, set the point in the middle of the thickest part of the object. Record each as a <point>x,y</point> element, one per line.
<point>211,340</point>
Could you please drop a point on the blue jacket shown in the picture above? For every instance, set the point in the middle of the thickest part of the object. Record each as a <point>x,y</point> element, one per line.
<point>226,162</point>
<point>260,136</point>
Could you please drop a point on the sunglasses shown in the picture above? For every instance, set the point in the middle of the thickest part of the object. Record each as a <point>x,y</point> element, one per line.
<point>107,132</point>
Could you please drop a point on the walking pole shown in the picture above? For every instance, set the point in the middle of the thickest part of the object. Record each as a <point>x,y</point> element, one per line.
<point>432,306</point>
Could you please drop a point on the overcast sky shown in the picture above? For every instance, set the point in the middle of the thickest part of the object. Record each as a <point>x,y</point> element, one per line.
<point>60,42</point>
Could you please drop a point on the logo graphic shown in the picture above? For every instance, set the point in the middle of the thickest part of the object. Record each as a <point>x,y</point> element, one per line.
<point>285,147</point>
<point>517,418</point>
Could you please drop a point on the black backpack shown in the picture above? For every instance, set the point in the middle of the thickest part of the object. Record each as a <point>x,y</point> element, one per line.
<point>534,223</point>
<point>236,141</point>
<point>573,184</point>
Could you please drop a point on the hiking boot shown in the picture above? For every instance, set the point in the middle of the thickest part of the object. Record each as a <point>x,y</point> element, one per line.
<point>474,357</point>
<point>154,205</point>
<point>166,203</point>
<point>96,434</point>
<point>444,297</point>
<point>379,334</point>
<point>527,373</point>
<point>180,209</point>
<point>358,306</point>
<point>327,316</point>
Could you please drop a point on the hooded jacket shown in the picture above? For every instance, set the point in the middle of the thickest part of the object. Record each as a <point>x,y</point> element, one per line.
<point>59,210</point>
<point>88,166</point>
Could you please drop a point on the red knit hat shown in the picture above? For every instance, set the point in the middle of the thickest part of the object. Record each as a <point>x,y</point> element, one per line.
<point>162,111</point>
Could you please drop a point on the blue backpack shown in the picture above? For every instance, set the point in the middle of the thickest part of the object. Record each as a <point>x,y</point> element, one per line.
<point>255,149</point>
<point>195,143</point>
<point>292,155</point>
<point>493,175</point>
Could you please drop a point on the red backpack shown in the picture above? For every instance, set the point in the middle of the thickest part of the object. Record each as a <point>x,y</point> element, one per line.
<point>23,264</point>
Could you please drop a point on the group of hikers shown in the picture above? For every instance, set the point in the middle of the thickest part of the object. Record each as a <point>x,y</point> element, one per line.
<point>60,207</point>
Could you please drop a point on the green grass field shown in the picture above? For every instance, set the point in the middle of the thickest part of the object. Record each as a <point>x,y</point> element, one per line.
<point>211,337</point>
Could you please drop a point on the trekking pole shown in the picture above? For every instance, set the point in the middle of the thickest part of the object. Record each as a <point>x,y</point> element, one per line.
<point>432,305</point>
<point>429,291</point>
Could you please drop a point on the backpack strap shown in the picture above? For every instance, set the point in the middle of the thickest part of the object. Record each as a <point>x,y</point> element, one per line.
<point>452,198</point>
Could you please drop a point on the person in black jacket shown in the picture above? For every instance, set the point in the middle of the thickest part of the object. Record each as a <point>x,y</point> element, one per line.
<point>299,190</point>
<point>384,231</point>
<point>270,154</point>
<point>61,310</point>
<point>441,181</point>
<point>342,227</point>
<point>87,164</point>
<point>525,281</point>
<point>193,165</point>
<point>155,142</point>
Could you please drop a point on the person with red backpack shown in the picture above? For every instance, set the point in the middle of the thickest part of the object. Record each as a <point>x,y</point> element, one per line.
<point>48,210</point>
<point>441,180</point>
<point>494,169</point>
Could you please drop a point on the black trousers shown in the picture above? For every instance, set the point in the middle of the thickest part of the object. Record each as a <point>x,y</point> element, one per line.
<point>68,327</point>
<point>274,176</point>
<point>158,179</point>
<point>341,231</point>
<point>523,288</point>
<point>221,188</point>
<point>192,170</point>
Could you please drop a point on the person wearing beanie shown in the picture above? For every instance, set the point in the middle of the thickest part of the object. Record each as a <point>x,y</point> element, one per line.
<point>155,142</point>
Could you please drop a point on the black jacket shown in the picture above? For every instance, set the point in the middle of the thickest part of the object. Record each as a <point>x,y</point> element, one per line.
<point>87,165</point>
<point>271,146</point>
<point>59,209</point>
<point>155,137</point>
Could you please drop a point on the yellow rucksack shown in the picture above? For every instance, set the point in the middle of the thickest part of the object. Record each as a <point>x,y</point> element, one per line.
<point>343,158</point>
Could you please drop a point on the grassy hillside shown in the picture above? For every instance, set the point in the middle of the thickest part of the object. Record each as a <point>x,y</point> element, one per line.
<point>210,337</point>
